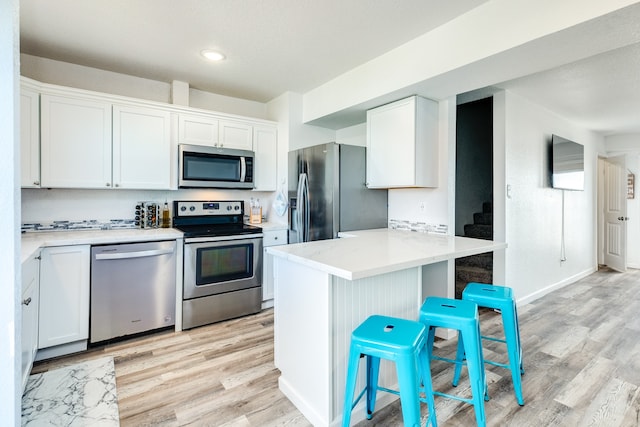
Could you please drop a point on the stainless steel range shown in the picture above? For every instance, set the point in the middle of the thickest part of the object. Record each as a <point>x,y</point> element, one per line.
<point>222,262</point>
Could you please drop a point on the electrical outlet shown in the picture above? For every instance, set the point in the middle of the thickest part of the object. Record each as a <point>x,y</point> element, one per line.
<point>423,207</point>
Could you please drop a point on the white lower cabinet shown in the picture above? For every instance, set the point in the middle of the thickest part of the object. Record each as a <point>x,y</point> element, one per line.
<point>271,238</point>
<point>30,298</point>
<point>64,297</point>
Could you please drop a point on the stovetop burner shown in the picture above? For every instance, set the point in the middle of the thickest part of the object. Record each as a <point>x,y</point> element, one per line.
<point>211,218</point>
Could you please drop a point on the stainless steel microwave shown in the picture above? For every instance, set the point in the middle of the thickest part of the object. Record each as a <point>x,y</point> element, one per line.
<point>211,167</point>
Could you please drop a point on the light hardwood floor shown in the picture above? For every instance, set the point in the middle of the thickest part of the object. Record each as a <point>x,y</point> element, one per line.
<point>581,353</point>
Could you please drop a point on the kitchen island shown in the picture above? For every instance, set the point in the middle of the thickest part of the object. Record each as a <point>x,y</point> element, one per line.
<point>325,289</point>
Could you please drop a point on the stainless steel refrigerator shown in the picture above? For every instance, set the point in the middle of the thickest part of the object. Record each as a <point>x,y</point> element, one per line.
<point>327,193</point>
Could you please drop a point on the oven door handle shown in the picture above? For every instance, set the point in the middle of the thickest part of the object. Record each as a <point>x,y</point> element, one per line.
<point>137,254</point>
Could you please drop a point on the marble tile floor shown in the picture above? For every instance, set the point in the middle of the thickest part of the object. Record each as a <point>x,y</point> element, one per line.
<point>82,394</point>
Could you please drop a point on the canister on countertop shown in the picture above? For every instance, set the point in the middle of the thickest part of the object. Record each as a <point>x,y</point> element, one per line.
<point>147,215</point>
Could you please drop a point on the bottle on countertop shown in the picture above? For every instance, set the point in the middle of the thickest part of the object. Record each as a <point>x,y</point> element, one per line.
<point>255,211</point>
<point>166,218</point>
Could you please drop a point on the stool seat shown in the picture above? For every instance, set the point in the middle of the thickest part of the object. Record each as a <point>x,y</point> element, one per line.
<point>500,298</point>
<point>462,315</point>
<point>401,341</point>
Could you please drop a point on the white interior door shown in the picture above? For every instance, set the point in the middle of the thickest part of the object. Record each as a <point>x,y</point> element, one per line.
<point>615,213</point>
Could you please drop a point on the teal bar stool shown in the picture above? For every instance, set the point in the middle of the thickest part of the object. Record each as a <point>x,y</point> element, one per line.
<point>463,316</point>
<point>403,342</point>
<point>499,298</point>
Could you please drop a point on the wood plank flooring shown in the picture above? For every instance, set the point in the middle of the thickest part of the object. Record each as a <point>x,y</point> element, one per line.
<point>581,353</point>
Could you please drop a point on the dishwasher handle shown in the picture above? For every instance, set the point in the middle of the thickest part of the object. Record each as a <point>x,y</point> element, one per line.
<point>137,254</point>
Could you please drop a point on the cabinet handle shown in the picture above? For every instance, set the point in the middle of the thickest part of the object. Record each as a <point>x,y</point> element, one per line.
<point>26,301</point>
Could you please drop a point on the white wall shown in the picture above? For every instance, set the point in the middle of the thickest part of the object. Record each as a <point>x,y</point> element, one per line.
<point>10,307</point>
<point>66,74</point>
<point>534,211</point>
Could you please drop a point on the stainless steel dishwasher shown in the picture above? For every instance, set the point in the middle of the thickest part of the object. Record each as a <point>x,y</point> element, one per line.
<point>133,288</point>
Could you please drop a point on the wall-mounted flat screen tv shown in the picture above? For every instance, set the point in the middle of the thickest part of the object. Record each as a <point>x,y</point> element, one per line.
<point>567,164</point>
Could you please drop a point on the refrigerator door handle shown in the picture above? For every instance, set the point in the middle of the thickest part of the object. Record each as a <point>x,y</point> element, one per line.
<point>307,210</point>
<point>300,208</point>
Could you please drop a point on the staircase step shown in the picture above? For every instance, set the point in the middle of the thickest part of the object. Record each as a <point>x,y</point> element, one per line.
<point>487,207</point>
<point>484,261</point>
<point>479,231</point>
<point>483,218</point>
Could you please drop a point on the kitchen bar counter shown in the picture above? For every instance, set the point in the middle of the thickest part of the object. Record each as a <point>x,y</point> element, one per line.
<point>33,241</point>
<point>325,289</point>
<point>367,253</point>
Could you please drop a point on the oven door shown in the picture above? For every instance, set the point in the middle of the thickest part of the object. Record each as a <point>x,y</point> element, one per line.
<point>220,265</point>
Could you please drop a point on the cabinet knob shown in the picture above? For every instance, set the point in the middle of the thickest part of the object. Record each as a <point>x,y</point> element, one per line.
<point>275,238</point>
<point>117,185</point>
<point>26,301</point>
<point>36,182</point>
<point>108,184</point>
<point>37,257</point>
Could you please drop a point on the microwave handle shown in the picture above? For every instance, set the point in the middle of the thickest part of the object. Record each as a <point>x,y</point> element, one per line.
<point>243,169</point>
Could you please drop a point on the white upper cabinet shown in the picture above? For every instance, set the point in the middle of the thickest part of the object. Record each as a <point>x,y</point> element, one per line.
<point>141,148</point>
<point>197,130</point>
<point>29,138</point>
<point>265,145</point>
<point>402,144</point>
<point>238,135</point>
<point>75,142</point>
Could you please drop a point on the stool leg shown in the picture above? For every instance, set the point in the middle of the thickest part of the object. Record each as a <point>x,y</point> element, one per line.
<point>514,351</point>
<point>425,374</point>
<point>373,369</point>
<point>515,312</point>
<point>407,370</point>
<point>460,357</point>
<point>350,386</point>
<point>475,366</point>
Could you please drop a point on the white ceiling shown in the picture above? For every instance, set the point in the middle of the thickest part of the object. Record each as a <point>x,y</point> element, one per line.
<point>274,46</point>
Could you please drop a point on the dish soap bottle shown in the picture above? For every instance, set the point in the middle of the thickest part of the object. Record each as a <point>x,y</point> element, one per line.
<point>166,219</point>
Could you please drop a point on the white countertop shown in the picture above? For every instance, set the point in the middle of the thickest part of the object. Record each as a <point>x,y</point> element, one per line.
<point>32,242</point>
<point>369,253</point>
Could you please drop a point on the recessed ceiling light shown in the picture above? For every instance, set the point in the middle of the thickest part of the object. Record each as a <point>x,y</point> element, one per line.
<point>212,55</point>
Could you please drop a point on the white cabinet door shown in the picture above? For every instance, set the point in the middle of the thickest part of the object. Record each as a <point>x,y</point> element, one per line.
<point>197,130</point>
<point>402,144</point>
<point>30,293</point>
<point>64,295</point>
<point>141,148</point>
<point>265,145</point>
<point>237,135</point>
<point>271,238</point>
<point>75,142</point>
<point>29,138</point>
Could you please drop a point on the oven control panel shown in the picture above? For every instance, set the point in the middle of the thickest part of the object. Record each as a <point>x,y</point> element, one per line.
<point>205,208</point>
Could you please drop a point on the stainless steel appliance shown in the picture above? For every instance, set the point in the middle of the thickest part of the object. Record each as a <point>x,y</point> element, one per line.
<point>213,167</point>
<point>328,194</point>
<point>222,262</point>
<point>133,288</point>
